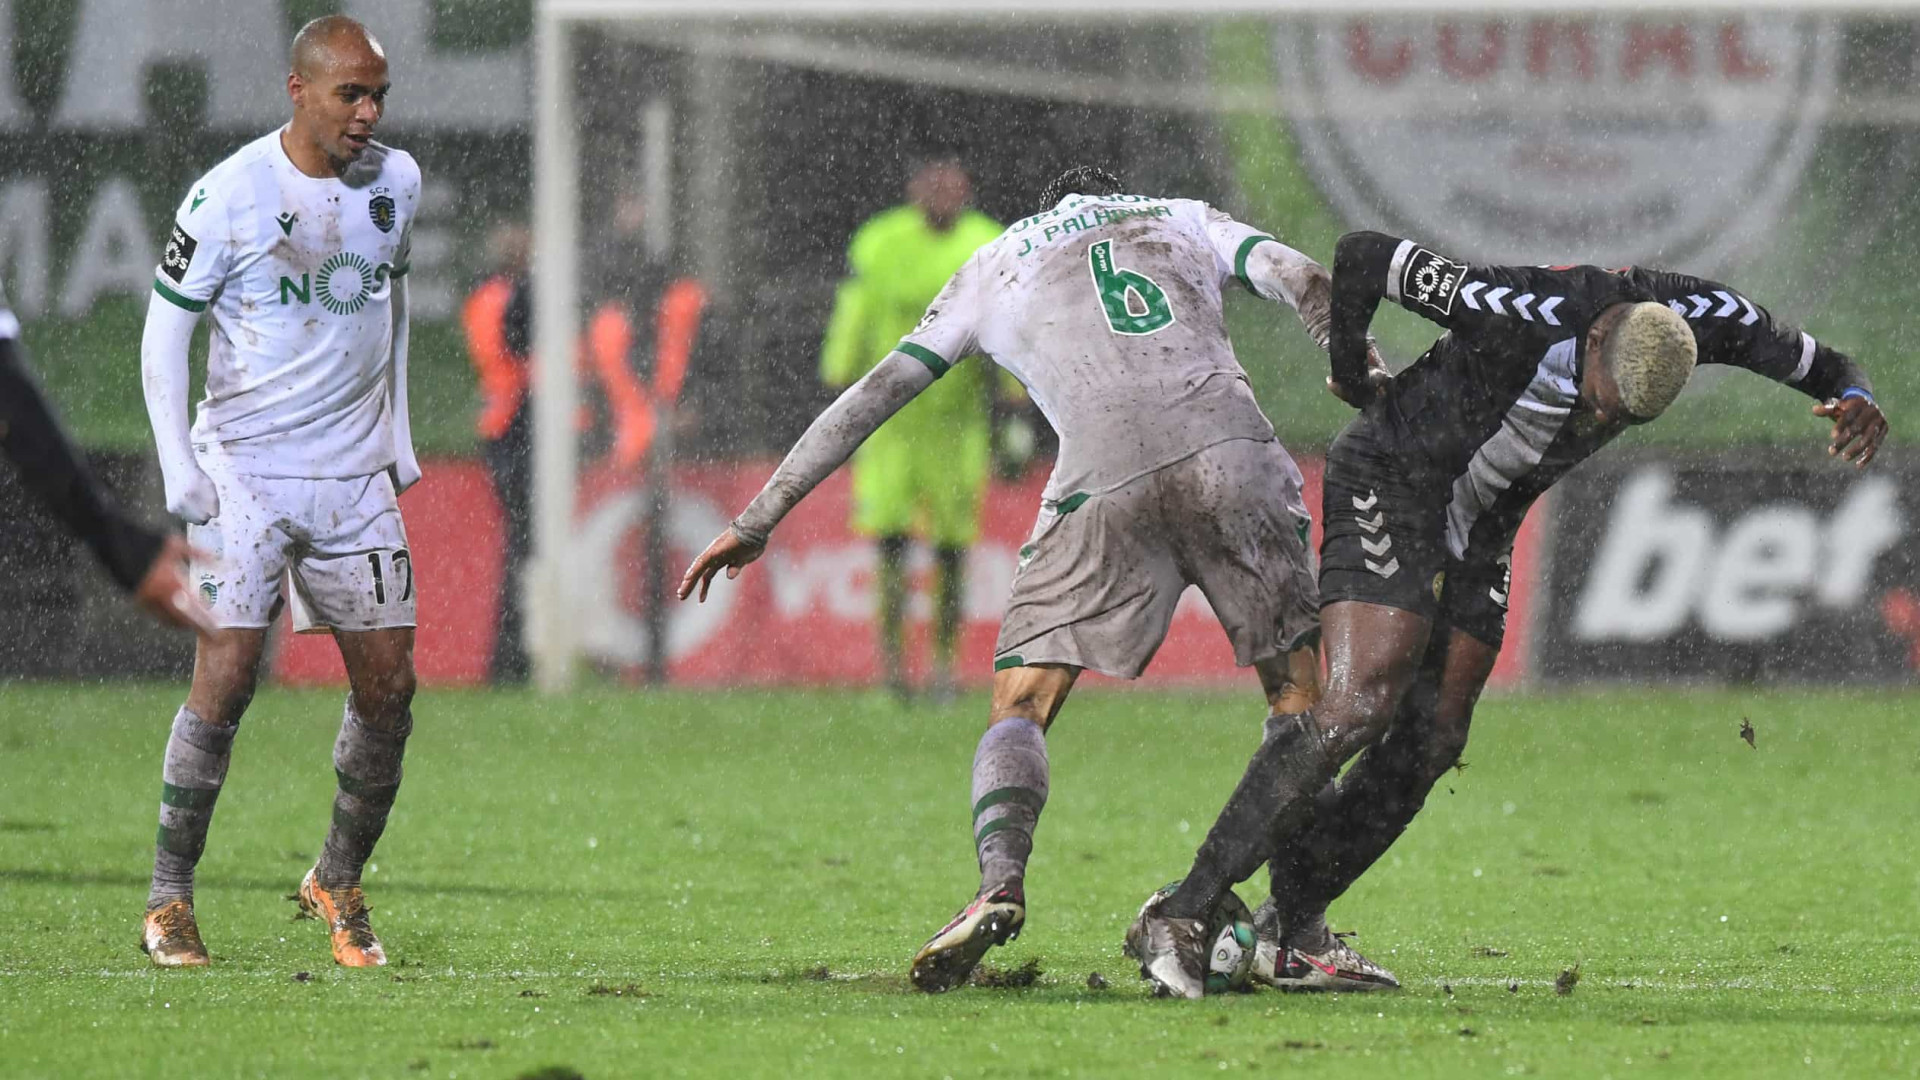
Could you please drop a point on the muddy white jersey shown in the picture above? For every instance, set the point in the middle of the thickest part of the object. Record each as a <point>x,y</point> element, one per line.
<point>1109,310</point>
<point>298,274</point>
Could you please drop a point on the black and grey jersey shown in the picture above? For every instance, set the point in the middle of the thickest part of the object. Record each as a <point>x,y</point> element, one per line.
<point>1491,415</point>
<point>53,469</point>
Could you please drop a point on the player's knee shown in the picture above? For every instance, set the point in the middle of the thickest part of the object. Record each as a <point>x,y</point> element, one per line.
<point>385,699</point>
<point>1354,716</point>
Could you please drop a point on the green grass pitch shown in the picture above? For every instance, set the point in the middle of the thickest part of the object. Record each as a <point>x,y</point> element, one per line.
<point>730,884</point>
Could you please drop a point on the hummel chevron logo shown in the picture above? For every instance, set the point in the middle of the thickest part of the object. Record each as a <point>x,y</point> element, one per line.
<point>1372,526</point>
<point>1730,303</point>
<point>1366,503</point>
<point>286,223</point>
<point>198,198</point>
<point>1384,545</point>
<point>1471,294</point>
<point>1385,570</point>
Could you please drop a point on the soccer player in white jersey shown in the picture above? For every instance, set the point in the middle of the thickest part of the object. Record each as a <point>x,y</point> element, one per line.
<point>288,478</point>
<point>1108,308</point>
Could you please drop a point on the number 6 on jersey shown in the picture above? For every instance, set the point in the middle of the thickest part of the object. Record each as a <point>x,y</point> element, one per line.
<point>1134,304</point>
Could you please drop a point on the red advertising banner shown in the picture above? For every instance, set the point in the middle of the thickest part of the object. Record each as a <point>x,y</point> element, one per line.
<point>802,615</point>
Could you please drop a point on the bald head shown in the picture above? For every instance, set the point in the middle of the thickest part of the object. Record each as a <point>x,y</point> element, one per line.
<point>338,86</point>
<point>331,39</point>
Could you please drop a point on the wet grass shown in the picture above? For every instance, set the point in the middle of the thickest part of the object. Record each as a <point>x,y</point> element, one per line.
<point>731,884</point>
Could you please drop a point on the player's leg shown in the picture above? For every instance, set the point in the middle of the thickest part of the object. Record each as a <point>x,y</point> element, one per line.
<point>199,746</point>
<point>239,580</point>
<point>367,758</point>
<point>890,581</point>
<point>1096,588</point>
<point>1009,790</point>
<point>955,480</point>
<point>1375,624</point>
<point>509,464</point>
<point>883,508</point>
<point>357,578</point>
<point>1299,753</point>
<point>1357,819</point>
<point>949,588</point>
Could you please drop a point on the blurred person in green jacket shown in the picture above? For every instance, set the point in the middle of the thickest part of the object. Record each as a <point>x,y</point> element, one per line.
<point>924,472</point>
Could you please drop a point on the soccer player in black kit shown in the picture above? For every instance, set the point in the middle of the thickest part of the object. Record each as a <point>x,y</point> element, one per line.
<point>1424,491</point>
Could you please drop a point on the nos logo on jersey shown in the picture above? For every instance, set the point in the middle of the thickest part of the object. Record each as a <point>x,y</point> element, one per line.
<point>346,282</point>
<point>380,209</point>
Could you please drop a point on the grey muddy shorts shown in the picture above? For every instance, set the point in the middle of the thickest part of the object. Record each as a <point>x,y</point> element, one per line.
<point>1101,575</point>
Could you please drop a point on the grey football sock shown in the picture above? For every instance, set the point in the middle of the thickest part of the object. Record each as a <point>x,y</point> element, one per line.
<point>367,761</point>
<point>190,779</point>
<point>1274,796</point>
<point>1009,790</point>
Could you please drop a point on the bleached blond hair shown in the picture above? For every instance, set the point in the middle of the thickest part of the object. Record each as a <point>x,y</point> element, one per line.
<point>1651,353</point>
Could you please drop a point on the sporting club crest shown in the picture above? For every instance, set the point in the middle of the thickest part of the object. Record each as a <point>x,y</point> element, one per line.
<point>380,208</point>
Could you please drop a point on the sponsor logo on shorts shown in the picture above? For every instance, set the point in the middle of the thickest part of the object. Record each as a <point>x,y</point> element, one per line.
<point>210,591</point>
<point>1499,593</point>
<point>179,254</point>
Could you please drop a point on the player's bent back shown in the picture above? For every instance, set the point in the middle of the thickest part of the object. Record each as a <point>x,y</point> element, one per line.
<point>1109,310</point>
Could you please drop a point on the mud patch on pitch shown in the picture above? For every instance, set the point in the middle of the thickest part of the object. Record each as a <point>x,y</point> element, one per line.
<point>997,978</point>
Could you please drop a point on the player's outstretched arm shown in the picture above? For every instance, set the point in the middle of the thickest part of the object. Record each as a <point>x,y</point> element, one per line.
<point>137,558</point>
<point>163,381</point>
<point>832,438</point>
<point>1730,328</point>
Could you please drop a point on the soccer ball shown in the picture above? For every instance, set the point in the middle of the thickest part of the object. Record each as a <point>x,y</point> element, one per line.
<point>1231,941</point>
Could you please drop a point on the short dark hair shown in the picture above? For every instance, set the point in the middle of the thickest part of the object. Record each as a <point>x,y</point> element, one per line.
<point>1081,179</point>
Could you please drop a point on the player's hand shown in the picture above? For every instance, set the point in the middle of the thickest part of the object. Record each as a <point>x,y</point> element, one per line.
<point>192,497</point>
<point>728,552</point>
<point>165,594</point>
<point>1859,427</point>
<point>1378,376</point>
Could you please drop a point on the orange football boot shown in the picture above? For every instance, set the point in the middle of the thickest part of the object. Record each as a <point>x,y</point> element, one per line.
<point>345,913</point>
<point>170,937</point>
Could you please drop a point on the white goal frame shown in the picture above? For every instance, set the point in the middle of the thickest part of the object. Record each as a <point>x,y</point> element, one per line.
<point>556,183</point>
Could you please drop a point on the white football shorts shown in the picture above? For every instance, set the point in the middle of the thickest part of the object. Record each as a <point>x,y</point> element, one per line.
<point>337,547</point>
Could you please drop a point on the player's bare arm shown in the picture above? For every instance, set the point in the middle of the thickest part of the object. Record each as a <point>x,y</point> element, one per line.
<point>828,442</point>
